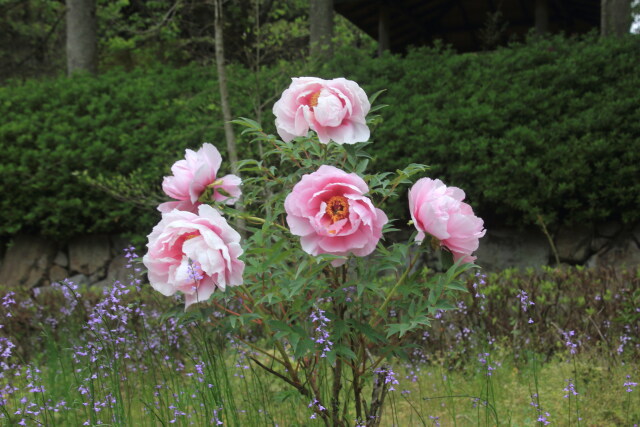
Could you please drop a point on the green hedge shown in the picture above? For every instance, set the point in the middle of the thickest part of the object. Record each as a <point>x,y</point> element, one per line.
<point>115,124</point>
<point>547,127</point>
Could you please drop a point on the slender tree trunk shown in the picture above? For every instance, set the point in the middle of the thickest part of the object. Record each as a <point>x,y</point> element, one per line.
<point>384,38</point>
<point>542,16</point>
<point>222,83</point>
<point>230,136</point>
<point>321,28</point>
<point>615,17</point>
<point>82,39</point>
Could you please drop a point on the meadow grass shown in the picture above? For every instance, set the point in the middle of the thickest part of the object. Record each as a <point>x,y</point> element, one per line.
<point>231,392</point>
<point>120,358</point>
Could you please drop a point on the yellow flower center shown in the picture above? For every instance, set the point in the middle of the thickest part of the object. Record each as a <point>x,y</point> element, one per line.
<point>313,101</point>
<point>191,235</point>
<point>337,208</point>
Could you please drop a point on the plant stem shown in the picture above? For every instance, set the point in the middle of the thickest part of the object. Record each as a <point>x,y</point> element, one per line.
<point>374,320</point>
<point>262,221</point>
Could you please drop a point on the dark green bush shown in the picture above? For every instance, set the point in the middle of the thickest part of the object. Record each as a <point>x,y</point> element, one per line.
<point>113,124</point>
<point>547,127</point>
<point>598,304</point>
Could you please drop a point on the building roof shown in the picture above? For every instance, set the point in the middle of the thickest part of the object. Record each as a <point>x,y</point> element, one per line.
<point>467,25</point>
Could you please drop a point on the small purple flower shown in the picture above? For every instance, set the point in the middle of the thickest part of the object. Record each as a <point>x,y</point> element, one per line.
<point>195,272</point>
<point>525,302</point>
<point>570,389</point>
<point>483,358</point>
<point>476,285</point>
<point>630,384</point>
<point>568,341</point>
<point>389,377</point>
<point>624,339</point>
<point>321,333</point>
<point>316,403</point>
<point>544,419</point>
<point>7,300</point>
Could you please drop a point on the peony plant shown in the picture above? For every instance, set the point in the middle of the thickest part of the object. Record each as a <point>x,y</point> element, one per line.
<point>322,274</point>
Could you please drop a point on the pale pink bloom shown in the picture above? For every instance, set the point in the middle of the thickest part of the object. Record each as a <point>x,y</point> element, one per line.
<point>193,254</point>
<point>181,205</point>
<point>330,213</point>
<point>193,175</point>
<point>438,210</point>
<point>334,109</point>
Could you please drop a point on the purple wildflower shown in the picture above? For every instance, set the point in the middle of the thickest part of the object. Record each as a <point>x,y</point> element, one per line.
<point>570,389</point>
<point>624,339</point>
<point>318,405</point>
<point>389,377</point>
<point>483,358</point>
<point>321,332</point>
<point>568,342</point>
<point>525,302</point>
<point>630,384</point>
<point>544,419</point>
<point>476,284</point>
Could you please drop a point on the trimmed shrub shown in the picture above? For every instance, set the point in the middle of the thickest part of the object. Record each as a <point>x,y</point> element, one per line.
<point>114,124</point>
<point>547,127</point>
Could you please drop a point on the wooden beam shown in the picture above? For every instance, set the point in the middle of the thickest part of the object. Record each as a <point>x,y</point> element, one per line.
<point>384,38</point>
<point>542,16</point>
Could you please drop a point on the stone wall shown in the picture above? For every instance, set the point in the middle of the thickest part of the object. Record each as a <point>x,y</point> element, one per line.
<point>608,244</point>
<point>31,261</point>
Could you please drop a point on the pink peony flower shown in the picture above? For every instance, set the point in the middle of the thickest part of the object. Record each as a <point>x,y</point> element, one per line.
<point>335,109</point>
<point>194,175</point>
<point>193,254</point>
<point>439,211</point>
<point>328,211</point>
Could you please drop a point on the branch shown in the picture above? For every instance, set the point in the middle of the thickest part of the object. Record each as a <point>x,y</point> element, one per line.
<point>298,387</point>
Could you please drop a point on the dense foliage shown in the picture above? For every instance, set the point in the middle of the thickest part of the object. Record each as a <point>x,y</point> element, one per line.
<point>113,124</point>
<point>534,309</point>
<point>135,33</point>
<point>599,305</point>
<point>547,127</point>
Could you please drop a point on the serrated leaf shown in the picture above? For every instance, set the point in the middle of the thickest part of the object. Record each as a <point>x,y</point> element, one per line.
<point>457,286</point>
<point>301,267</point>
<point>372,98</point>
<point>345,351</point>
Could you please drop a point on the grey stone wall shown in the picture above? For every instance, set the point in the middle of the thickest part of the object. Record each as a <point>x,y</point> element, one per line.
<point>608,244</point>
<point>30,261</point>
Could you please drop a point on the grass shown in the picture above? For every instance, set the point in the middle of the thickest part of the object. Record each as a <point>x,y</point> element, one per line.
<point>429,394</point>
<point>116,359</point>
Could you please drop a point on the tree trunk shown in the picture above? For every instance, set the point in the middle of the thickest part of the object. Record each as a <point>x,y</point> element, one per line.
<point>82,39</point>
<point>384,39</point>
<point>542,16</point>
<point>222,84</point>
<point>321,28</point>
<point>230,136</point>
<point>615,17</point>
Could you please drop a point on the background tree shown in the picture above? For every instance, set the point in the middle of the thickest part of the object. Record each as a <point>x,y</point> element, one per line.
<point>615,17</point>
<point>32,37</point>
<point>321,28</point>
<point>82,36</point>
